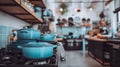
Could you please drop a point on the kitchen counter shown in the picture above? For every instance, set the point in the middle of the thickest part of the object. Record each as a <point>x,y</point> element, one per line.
<point>97,48</point>
<point>114,40</point>
<point>105,50</point>
<point>96,39</point>
<point>59,39</point>
<point>73,44</point>
<point>110,40</point>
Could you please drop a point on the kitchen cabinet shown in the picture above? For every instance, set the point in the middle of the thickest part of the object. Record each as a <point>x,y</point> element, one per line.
<point>17,9</point>
<point>115,58</point>
<point>72,44</point>
<point>99,50</point>
<point>105,51</point>
<point>115,51</point>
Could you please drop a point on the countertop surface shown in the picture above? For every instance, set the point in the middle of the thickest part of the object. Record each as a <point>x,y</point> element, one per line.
<point>109,40</point>
<point>96,39</point>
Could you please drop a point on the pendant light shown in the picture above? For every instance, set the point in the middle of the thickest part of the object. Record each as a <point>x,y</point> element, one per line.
<point>102,15</point>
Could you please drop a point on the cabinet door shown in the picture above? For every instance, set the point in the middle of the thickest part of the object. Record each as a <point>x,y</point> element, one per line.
<point>99,51</point>
<point>115,58</point>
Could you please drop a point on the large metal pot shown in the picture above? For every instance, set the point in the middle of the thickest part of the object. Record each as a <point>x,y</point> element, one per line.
<point>47,37</point>
<point>35,50</point>
<point>28,34</point>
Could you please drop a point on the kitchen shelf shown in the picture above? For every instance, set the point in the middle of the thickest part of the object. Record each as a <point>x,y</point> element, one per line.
<point>19,10</point>
<point>109,1</point>
<point>38,3</point>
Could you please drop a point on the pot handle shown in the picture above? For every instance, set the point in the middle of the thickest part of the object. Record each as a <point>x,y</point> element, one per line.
<point>20,47</point>
<point>54,46</point>
<point>23,31</point>
<point>41,36</point>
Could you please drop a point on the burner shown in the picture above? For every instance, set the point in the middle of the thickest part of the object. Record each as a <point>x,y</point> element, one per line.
<point>51,60</point>
<point>40,63</point>
<point>8,60</point>
<point>35,62</point>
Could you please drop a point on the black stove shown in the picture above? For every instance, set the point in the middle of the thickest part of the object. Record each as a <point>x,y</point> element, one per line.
<point>12,59</point>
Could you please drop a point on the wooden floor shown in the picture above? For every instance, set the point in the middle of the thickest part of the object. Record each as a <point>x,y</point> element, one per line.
<point>75,59</point>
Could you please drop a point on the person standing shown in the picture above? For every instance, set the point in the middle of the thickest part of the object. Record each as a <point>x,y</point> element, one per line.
<point>103,28</point>
<point>13,36</point>
<point>83,29</point>
<point>52,25</point>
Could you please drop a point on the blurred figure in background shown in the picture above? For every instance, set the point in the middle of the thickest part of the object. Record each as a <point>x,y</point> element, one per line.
<point>13,36</point>
<point>83,28</point>
<point>52,25</point>
<point>118,33</point>
<point>103,28</point>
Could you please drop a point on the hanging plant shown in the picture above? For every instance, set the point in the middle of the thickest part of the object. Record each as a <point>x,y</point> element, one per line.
<point>63,8</point>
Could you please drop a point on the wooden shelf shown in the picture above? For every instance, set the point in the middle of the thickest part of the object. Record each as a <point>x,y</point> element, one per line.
<point>19,10</point>
<point>38,3</point>
<point>109,1</point>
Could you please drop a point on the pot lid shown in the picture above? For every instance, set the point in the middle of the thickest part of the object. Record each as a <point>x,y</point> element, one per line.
<point>38,44</point>
<point>28,29</point>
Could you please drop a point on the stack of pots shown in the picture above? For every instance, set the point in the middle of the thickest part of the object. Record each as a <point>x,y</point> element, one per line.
<point>32,49</point>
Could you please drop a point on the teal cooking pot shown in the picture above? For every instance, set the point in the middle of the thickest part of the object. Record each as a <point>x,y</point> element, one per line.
<point>47,37</point>
<point>28,33</point>
<point>34,50</point>
<point>61,36</point>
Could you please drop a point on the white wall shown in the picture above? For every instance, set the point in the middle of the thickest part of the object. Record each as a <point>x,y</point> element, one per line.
<point>35,26</point>
<point>93,15</point>
<point>7,23</point>
<point>10,21</point>
<point>85,13</point>
<point>111,16</point>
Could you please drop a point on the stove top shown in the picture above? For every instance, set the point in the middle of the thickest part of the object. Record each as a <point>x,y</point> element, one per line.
<point>8,59</point>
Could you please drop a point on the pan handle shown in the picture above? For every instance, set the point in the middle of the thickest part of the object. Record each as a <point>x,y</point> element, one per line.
<point>20,47</point>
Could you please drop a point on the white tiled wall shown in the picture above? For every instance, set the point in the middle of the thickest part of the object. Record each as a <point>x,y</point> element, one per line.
<point>7,23</point>
<point>10,21</point>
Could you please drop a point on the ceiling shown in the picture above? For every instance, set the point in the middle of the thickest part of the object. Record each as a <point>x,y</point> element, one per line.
<point>85,3</point>
<point>79,1</point>
<point>96,5</point>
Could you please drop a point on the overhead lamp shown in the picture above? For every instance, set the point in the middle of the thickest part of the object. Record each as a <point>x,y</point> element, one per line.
<point>77,10</point>
<point>91,9</point>
<point>61,9</point>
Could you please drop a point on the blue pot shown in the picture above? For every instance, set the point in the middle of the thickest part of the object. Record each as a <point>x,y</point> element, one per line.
<point>47,37</point>
<point>38,9</point>
<point>69,37</point>
<point>25,41</point>
<point>35,50</point>
<point>61,36</point>
<point>28,34</point>
<point>47,12</point>
<point>39,14</point>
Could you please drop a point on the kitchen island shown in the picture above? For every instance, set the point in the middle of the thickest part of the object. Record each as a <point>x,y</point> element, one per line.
<point>105,51</point>
<point>98,49</point>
